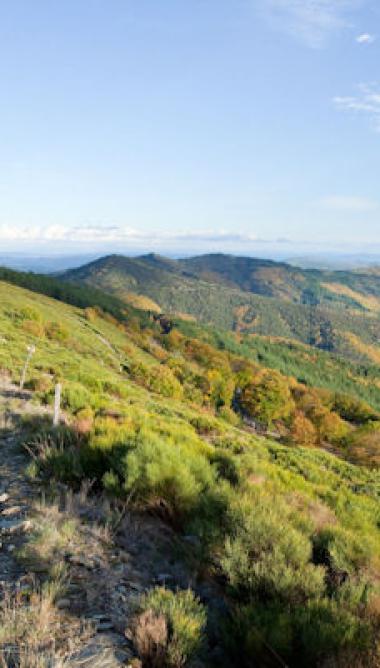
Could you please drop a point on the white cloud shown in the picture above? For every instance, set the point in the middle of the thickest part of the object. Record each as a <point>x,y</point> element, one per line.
<point>348,204</point>
<point>366,38</point>
<point>111,234</point>
<point>366,102</point>
<point>62,233</point>
<point>310,21</point>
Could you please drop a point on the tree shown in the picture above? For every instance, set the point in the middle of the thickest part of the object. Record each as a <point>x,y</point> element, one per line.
<point>267,397</point>
<point>327,336</point>
<point>310,298</point>
<point>303,430</point>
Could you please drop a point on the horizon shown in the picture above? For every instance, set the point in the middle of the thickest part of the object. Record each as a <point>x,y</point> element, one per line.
<point>56,263</point>
<point>190,129</point>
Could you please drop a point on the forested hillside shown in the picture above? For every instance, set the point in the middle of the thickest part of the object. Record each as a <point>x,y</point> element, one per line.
<point>255,453</point>
<point>335,311</point>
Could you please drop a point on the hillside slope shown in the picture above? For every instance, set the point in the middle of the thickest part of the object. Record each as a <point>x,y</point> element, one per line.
<point>260,277</point>
<point>281,538</point>
<point>251,296</point>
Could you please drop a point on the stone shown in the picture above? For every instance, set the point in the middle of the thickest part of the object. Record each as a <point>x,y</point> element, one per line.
<point>12,510</point>
<point>15,526</point>
<point>104,626</point>
<point>4,497</point>
<point>162,578</point>
<point>192,540</point>
<point>63,603</point>
<point>81,561</point>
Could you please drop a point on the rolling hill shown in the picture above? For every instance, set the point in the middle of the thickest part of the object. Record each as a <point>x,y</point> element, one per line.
<point>250,296</point>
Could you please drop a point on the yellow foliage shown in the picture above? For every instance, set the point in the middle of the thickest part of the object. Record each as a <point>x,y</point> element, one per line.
<point>370,302</point>
<point>303,431</point>
<point>371,352</point>
<point>141,302</point>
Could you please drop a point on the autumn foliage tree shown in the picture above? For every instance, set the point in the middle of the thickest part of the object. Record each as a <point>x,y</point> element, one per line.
<point>303,432</point>
<point>267,397</point>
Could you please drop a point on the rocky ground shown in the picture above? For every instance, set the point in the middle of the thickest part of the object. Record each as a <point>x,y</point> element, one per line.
<point>110,556</point>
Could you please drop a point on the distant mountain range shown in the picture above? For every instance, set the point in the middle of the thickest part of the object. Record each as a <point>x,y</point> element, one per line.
<point>332,261</point>
<point>44,263</point>
<point>249,295</point>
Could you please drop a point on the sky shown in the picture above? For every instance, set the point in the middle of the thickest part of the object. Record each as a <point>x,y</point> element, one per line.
<point>176,126</point>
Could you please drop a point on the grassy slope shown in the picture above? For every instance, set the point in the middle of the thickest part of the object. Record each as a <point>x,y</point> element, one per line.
<point>86,356</point>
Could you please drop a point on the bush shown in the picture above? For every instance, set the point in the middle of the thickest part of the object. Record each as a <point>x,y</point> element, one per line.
<point>266,557</point>
<point>229,415</point>
<point>34,328</point>
<point>84,421</point>
<point>331,427</point>
<point>29,313</point>
<point>204,424</point>
<point>75,397</point>
<point>220,389</point>
<point>226,466</point>
<point>56,332</point>
<point>43,383</point>
<point>343,554</point>
<point>363,445</point>
<point>352,409</point>
<point>162,476</point>
<point>157,378</point>
<point>314,634</point>
<point>169,630</point>
<point>163,381</point>
<point>90,314</point>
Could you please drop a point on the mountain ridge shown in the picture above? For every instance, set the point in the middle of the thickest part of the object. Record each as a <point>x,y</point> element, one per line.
<point>248,295</point>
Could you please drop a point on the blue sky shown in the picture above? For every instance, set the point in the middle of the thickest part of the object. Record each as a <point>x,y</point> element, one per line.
<point>206,125</point>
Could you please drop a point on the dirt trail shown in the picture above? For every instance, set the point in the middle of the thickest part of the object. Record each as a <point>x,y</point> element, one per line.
<point>18,496</point>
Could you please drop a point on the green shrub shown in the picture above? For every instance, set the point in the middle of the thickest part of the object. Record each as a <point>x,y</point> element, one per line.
<point>41,383</point>
<point>343,553</point>
<point>229,415</point>
<point>308,635</point>
<point>363,445</point>
<point>352,409</point>
<point>156,473</point>
<point>265,556</point>
<point>204,424</point>
<point>29,313</point>
<point>56,331</point>
<point>170,628</point>
<point>323,628</point>
<point>157,378</point>
<point>226,465</point>
<point>331,427</point>
<point>163,381</point>
<point>160,465</point>
<point>75,397</point>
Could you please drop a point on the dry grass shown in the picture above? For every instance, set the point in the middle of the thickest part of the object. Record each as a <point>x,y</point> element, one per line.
<point>150,637</point>
<point>354,659</point>
<point>33,633</point>
<point>52,534</point>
